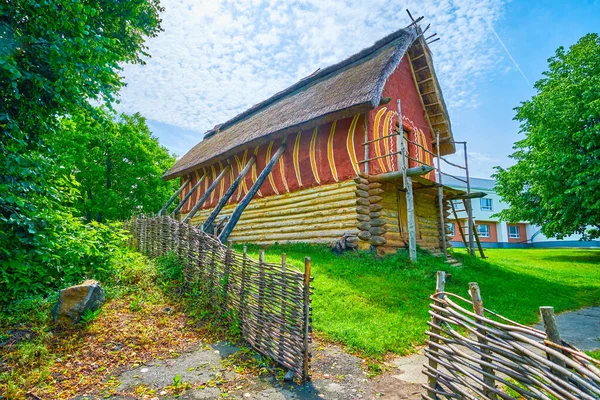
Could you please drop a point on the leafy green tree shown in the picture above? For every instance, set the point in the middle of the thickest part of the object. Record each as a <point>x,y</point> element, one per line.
<point>117,163</point>
<point>55,57</point>
<point>555,182</point>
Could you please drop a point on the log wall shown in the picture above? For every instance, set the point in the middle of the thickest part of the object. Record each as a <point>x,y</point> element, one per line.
<point>321,214</point>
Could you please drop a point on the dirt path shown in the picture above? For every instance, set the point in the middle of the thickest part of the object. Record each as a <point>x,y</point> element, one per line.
<point>579,328</point>
<point>335,375</point>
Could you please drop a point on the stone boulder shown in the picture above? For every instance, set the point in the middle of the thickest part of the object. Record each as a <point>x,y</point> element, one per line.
<point>76,300</point>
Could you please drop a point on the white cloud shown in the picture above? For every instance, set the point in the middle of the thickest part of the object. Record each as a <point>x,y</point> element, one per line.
<point>218,57</point>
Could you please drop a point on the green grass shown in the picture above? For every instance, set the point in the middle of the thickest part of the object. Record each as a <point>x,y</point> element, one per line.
<point>379,305</point>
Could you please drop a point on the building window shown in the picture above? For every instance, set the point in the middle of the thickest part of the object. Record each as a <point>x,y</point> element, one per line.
<point>450,229</point>
<point>486,204</point>
<point>483,231</point>
<point>513,232</point>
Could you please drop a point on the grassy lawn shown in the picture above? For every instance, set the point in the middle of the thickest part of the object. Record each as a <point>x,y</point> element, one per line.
<point>379,305</point>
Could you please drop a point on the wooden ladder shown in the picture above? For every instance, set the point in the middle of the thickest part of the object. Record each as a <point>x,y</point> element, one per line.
<point>461,231</point>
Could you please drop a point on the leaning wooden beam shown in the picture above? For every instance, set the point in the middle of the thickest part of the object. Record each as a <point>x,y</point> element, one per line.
<point>392,176</point>
<point>205,195</point>
<point>215,212</point>
<point>175,195</point>
<point>235,216</point>
<point>187,196</point>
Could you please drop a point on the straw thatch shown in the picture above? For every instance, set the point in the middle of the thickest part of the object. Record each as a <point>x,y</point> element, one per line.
<point>339,91</point>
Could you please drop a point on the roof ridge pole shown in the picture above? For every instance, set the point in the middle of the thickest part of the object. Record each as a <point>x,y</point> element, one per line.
<point>441,196</point>
<point>235,216</point>
<point>187,196</point>
<point>215,212</point>
<point>205,195</point>
<point>408,190</point>
<point>175,195</point>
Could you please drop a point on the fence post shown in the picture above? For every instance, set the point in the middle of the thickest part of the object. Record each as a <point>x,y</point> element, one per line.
<point>552,335</point>
<point>440,286</point>
<point>283,303</point>
<point>243,290</point>
<point>261,296</point>
<point>307,319</point>
<point>488,381</point>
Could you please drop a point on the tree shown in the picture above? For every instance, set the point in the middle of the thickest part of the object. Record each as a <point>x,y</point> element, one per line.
<point>555,182</point>
<point>117,163</point>
<point>55,57</point>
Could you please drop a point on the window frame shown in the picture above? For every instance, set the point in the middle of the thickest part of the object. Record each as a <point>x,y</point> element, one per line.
<point>491,204</point>
<point>450,228</point>
<point>484,235</point>
<point>518,234</point>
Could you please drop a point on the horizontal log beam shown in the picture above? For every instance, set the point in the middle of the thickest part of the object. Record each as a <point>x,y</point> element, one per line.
<point>392,176</point>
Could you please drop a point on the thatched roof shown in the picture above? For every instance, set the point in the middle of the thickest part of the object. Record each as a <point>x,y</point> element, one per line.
<point>341,90</point>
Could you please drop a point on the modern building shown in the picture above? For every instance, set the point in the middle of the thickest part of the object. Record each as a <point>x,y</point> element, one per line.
<point>494,233</point>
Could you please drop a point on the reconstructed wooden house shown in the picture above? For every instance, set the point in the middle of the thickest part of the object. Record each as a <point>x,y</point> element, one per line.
<point>321,161</point>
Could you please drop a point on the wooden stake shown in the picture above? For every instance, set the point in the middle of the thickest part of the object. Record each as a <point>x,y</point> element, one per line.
<point>175,195</point>
<point>306,366</point>
<point>223,201</point>
<point>366,167</point>
<point>205,195</point>
<point>480,311</point>
<point>468,205</point>
<point>237,213</point>
<point>187,196</point>
<point>440,286</point>
<point>552,335</point>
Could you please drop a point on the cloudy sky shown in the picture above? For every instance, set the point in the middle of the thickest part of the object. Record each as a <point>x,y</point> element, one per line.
<point>216,58</point>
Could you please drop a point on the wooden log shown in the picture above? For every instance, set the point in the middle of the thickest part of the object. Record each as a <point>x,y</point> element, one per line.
<point>364,226</point>
<point>363,218</point>
<point>363,210</point>
<point>375,207</point>
<point>377,240</point>
<point>235,216</point>
<point>361,193</point>
<point>377,222</point>
<point>397,175</point>
<point>377,230</point>
<point>374,185</point>
<point>362,186</point>
<point>364,235</point>
<point>552,335</point>
<point>375,199</point>
<point>480,311</point>
<point>205,196</point>
<point>374,192</point>
<point>175,195</point>
<point>362,202</point>
<point>232,188</point>
<point>375,214</point>
<point>360,180</point>
<point>187,196</point>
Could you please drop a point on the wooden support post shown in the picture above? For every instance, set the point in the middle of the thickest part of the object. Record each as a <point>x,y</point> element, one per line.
<point>480,311</point>
<point>307,319</point>
<point>175,195</point>
<point>227,271</point>
<point>441,197</point>
<point>261,299</point>
<point>202,199</point>
<point>407,182</point>
<point>215,212</point>
<point>187,196</point>
<point>468,207</point>
<point>237,213</point>
<point>242,313</point>
<point>283,305</point>
<point>552,335</point>
<point>440,286</point>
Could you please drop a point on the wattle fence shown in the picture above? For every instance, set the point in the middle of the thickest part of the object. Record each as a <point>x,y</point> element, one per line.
<point>474,353</point>
<point>270,302</point>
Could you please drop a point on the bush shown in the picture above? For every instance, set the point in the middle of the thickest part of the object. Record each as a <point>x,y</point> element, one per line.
<point>64,254</point>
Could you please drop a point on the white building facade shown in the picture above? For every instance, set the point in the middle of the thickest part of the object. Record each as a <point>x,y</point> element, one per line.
<point>494,233</point>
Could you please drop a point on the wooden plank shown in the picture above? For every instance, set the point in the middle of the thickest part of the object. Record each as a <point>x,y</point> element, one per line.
<point>175,195</point>
<point>235,216</point>
<point>187,196</point>
<point>223,200</point>
<point>202,199</point>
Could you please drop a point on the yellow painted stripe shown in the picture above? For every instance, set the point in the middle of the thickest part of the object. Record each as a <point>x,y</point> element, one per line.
<point>267,158</point>
<point>297,158</point>
<point>231,178</point>
<point>196,195</point>
<point>313,155</point>
<point>350,144</point>
<point>386,143</point>
<point>377,144</point>
<point>330,155</point>
<point>222,183</point>
<point>205,180</point>
<point>282,173</point>
<point>254,175</point>
<point>214,177</point>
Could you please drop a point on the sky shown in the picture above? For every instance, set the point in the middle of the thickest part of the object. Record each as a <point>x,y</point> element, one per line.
<point>217,58</point>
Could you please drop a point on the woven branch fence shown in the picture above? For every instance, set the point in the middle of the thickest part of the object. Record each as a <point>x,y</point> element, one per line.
<point>270,302</point>
<point>474,353</point>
